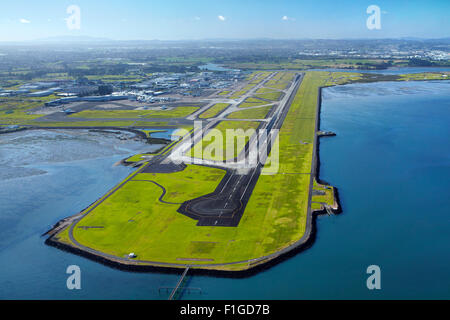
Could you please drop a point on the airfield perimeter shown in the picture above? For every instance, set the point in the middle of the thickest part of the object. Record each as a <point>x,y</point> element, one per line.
<point>213,214</point>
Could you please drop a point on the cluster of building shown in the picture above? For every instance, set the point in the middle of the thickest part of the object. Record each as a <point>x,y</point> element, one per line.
<point>387,52</point>
<point>64,88</point>
<point>186,84</point>
<point>159,87</point>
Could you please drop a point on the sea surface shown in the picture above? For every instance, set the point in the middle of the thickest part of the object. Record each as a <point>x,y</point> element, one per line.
<point>215,67</point>
<point>390,161</point>
<point>391,71</point>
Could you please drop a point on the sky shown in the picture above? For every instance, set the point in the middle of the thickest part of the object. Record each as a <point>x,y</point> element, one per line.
<point>22,20</point>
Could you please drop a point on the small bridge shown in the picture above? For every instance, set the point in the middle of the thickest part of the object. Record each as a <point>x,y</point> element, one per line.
<point>178,288</point>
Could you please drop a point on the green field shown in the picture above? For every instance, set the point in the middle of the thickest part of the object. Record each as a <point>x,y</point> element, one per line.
<point>144,225</point>
<point>256,78</point>
<point>85,124</point>
<point>137,157</point>
<point>14,110</point>
<point>319,200</point>
<point>256,113</point>
<point>110,114</point>
<point>252,102</point>
<point>210,149</point>
<point>304,64</point>
<point>149,132</point>
<point>426,76</point>
<point>273,96</point>
<point>178,112</point>
<point>265,90</point>
<point>214,110</point>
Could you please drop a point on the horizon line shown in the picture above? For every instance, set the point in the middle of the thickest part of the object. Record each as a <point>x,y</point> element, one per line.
<point>74,38</point>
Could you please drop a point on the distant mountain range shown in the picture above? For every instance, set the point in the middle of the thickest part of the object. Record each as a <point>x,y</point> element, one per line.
<point>256,43</point>
<point>99,39</point>
<point>71,39</point>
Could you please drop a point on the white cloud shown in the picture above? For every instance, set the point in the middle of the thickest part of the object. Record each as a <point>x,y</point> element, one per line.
<point>197,18</point>
<point>221,18</point>
<point>24,21</point>
<point>286,18</point>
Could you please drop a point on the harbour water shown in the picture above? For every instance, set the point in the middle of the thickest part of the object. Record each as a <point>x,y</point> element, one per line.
<point>46,176</point>
<point>215,67</point>
<point>391,71</point>
<point>391,163</point>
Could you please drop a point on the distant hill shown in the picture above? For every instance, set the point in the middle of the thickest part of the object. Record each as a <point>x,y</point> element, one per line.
<point>73,39</point>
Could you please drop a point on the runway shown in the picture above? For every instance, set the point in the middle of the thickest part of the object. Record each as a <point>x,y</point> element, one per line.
<point>226,205</point>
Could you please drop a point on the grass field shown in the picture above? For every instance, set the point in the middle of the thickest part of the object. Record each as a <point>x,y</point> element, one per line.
<point>218,150</point>
<point>252,102</point>
<point>84,124</point>
<point>327,198</point>
<point>138,157</point>
<point>214,110</point>
<point>273,95</point>
<point>178,112</point>
<point>110,114</point>
<point>17,117</point>
<point>134,220</point>
<point>265,90</point>
<point>238,94</point>
<point>426,76</point>
<point>281,80</point>
<point>255,78</point>
<point>256,113</point>
<point>304,64</point>
<point>14,110</point>
<point>149,132</point>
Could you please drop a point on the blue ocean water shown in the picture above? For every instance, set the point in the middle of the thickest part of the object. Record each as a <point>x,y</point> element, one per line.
<point>46,176</point>
<point>393,71</point>
<point>391,163</point>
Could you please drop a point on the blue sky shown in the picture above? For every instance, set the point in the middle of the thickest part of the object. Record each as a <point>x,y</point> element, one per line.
<point>199,19</point>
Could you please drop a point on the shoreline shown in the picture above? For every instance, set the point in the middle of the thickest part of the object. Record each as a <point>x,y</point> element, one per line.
<point>317,169</point>
<point>254,265</point>
<point>105,129</point>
